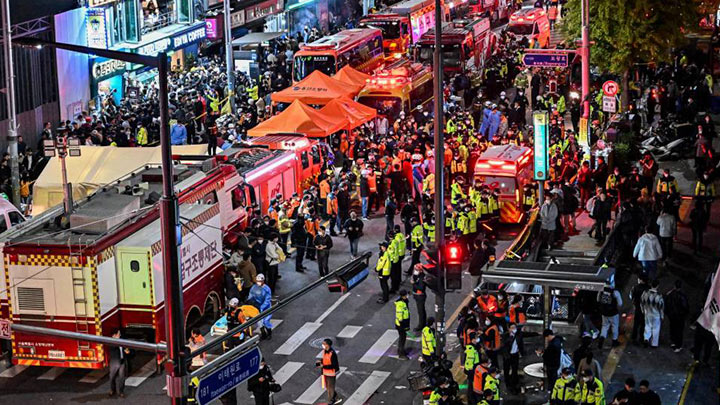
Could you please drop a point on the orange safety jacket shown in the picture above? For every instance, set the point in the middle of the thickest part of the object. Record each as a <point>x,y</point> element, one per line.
<point>492,337</point>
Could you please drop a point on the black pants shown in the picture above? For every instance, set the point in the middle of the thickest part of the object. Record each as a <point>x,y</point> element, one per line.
<point>262,398</point>
<point>415,259</point>
<point>299,254</point>
<point>283,242</point>
<point>638,325</point>
<point>402,338</point>
<point>118,374</point>
<point>551,376</point>
<point>322,261</point>
<point>472,399</point>
<point>677,328</point>
<point>704,342</point>
<point>422,315</point>
<point>384,287</point>
<point>310,249</point>
<point>493,356</point>
<point>511,363</point>
<point>697,241</point>
<point>395,275</point>
<point>389,224</point>
<point>271,275</point>
<point>667,246</point>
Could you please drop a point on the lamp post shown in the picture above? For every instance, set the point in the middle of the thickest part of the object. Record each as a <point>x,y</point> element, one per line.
<point>10,99</point>
<point>227,26</point>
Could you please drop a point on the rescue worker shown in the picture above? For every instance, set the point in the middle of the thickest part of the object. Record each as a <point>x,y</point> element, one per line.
<point>491,337</point>
<point>416,243</point>
<point>428,341</point>
<point>528,196</point>
<point>260,297</point>
<point>329,366</point>
<point>590,390</point>
<point>487,304</point>
<point>311,228</point>
<point>516,311</point>
<point>563,393</point>
<point>492,383</point>
<point>429,229</point>
<point>235,318</point>
<point>402,322</point>
<point>382,268</point>
<point>472,359</point>
<point>419,295</point>
<point>481,373</point>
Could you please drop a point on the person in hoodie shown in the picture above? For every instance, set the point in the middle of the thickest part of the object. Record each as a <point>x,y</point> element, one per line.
<point>648,251</point>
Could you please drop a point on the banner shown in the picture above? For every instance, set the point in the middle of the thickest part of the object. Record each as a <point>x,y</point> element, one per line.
<point>710,316</point>
<point>583,136</point>
<point>540,133</point>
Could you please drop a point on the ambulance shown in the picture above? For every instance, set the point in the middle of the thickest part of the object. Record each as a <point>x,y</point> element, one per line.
<point>506,168</point>
<point>532,23</point>
<point>400,87</point>
<point>466,45</point>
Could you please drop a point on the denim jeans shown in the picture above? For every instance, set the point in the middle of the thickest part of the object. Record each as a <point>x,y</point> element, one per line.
<point>649,268</point>
<point>354,246</point>
<point>364,206</point>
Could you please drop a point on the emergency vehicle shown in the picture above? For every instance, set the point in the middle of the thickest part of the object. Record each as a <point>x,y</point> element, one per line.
<point>497,10</point>
<point>465,44</point>
<point>402,24</point>
<point>507,168</point>
<point>532,23</point>
<point>402,86</point>
<point>361,48</point>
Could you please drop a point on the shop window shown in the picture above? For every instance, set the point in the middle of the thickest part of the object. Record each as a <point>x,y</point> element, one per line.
<point>184,11</point>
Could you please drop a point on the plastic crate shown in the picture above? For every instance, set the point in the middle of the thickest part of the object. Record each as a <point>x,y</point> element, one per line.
<point>418,381</point>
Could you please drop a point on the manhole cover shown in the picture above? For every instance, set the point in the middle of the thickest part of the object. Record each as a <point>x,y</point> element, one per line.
<point>317,343</point>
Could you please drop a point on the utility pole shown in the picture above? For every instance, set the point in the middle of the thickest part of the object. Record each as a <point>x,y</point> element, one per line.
<point>439,181</point>
<point>229,54</point>
<point>177,387</point>
<point>10,97</point>
<point>585,54</point>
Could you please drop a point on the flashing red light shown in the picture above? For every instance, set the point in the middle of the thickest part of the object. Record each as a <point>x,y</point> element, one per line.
<point>454,254</point>
<point>483,166</point>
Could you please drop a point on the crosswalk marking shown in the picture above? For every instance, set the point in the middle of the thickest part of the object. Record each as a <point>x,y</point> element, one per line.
<point>297,339</point>
<point>349,331</point>
<point>332,308</point>
<point>141,374</point>
<point>94,376</point>
<point>52,374</point>
<point>13,371</point>
<point>315,390</point>
<point>287,371</point>
<point>380,347</point>
<point>368,388</point>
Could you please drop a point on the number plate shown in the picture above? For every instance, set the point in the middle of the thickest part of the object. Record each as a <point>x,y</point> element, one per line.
<point>56,354</point>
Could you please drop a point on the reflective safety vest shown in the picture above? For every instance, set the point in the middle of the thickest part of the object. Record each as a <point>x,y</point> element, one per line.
<point>492,342</point>
<point>383,264</point>
<point>704,190</point>
<point>416,236</point>
<point>481,208</point>
<point>492,383</point>
<point>327,361</point>
<point>194,384</point>
<point>462,223</point>
<point>563,391</point>
<point>428,341</point>
<point>458,166</point>
<point>481,374</point>
<point>611,182</point>
<point>492,205</point>
<point>400,244</point>
<point>430,231</point>
<point>450,222</point>
<point>529,198</point>
<point>472,358</point>
<point>402,314</point>
<point>472,221</point>
<point>456,193</point>
<point>394,252</point>
<point>517,314</point>
<point>142,136</point>
<point>435,398</point>
<point>590,393</point>
<point>666,185</point>
<point>429,184</point>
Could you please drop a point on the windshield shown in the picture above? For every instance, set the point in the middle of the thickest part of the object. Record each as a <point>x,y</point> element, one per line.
<point>390,29</point>
<point>387,106</point>
<point>506,185</point>
<point>521,29</point>
<point>450,55</point>
<point>306,64</point>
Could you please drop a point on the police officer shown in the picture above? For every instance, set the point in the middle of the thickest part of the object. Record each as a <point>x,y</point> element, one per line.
<point>492,383</point>
<point>563,392</point>
<point>472,359</point>
<point>416,243</point>
<point>666,184</point>
<point>428,341</point>
<point>429,229</point>
<point>419,295</point>
<point>590,391</point>
<point>402,322</point>
<point>528,196</point>
<point>705,192</point>
<point>382,268</point>
<point>400,241</point>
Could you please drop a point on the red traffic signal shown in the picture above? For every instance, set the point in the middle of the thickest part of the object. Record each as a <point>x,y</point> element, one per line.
<point>453,253</point>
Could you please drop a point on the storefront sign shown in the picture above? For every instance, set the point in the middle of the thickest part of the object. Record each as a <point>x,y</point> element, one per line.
<point>187,38</point>
<point>172,43</point>
<point>214,27</point>
<point>263,9</point>
<point>540,127</point>
<point>237,19</point>
<point>96,3</point>
<point>96,28</point>
<point>103,68</point>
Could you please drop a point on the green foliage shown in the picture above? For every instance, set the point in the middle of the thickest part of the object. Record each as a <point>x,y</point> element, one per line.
<point>626,32</point>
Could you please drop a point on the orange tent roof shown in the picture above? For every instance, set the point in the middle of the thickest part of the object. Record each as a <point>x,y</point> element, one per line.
<point>350,75</point>
<point>356,113</point>
<point>316,88</point>
<point>303,119</point>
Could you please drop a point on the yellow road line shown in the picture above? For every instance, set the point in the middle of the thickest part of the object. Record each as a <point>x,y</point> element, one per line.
<point>686,387</point>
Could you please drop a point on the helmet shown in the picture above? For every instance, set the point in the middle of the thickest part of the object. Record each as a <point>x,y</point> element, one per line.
<point>234,302</point>
<point>259,277</point>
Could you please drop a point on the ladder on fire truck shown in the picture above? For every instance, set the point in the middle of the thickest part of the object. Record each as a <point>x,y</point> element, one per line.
<point>79,296</point>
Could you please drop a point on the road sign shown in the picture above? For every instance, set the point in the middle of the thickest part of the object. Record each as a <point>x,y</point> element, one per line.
<point>540,157</point>
<point>5,329</point>
<point>545,59</point>
<point>610,88</point>
<point>609,104</point>
<point>221,380</point>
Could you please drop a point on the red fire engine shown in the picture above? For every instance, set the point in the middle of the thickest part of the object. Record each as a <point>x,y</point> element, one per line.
<point>466,44</point>
<point>506,168</point>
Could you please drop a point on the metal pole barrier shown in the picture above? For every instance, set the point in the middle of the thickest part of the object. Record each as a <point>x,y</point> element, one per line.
<point>177,388</point>
<point>585,53</point>
<point>229,55</point>
<point>439,181</point>
<point>10,96</point>
<point>110,341</point>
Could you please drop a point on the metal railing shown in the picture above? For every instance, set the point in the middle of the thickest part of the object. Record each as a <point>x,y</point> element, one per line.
<point>155,21</point>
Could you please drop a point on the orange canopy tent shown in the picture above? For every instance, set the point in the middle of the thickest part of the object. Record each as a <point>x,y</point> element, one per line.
<point>316,88</point>
<point>303,119</point>
<point>350,75</point>
<point>356,113</point>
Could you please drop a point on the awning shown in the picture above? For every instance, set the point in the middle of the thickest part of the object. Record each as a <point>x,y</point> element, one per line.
<point>257,38</point>
<point>300,118</point>
<point>356,113</point>
<point>316,88</point>
<point>570,276</point>
<point>352,76</point>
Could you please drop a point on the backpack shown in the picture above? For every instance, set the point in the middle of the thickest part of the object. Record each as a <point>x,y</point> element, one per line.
<point>565,361</point>
<point>608,303</point>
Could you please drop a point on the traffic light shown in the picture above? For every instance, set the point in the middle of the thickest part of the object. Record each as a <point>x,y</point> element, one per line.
<point>453,266</point>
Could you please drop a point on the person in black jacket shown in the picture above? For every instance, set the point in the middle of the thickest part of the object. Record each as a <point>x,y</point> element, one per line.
<point>259,385</point>
<point>512,349</point>
<point>551,357</point>
<point>322,243</point>
<point>298,238</point>
<point>119,357</point>
<point>353,230</point>
<point>677,310</point>
<point>343,201</point>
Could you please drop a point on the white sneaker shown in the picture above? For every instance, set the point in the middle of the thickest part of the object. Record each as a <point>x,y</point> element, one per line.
<point>595,334</point>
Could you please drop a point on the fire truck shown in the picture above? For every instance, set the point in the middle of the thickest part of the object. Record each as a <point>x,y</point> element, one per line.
<point>496,10</point>
<point>466,44</point>
<point>403,24</point>
<point>402,86</point>
<point>506,168</point>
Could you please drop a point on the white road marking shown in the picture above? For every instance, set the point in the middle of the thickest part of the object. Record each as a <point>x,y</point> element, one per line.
<point>141,374</point>
<point>332,308</point>
<point>13,371</point>
<point>349,331</point>
<point>286,371</point>
<point>52,374</point>
<point>315,391</point>
<point>380,347</point>
<point>94,376</point>
<point>297,339</point>
<point>275,322</point>
<point>368,388</point>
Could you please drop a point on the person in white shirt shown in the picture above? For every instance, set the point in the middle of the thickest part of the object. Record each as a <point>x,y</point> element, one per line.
<point>667,228</point>
<point>648,251</point>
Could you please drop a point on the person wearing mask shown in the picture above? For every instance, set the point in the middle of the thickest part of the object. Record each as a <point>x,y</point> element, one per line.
<point>260,384</point>
<point>645,395</point>
<point>653,306</point>
<point>492,339</point>
<point>551,356</point>
<point>399,246</point>
<point>416,242</point>
<point>402,322</point>
<point>677,310</point>
<point>428,342</point>
<point>563,392</point>
<point>610,303</point>
<point>273,256</point>
<point>667,228</point>
<point>118,363</point>
<point>260,297</point>
<point>419,295</point>
<point>231,283</point>
<point>627,395</point>
<point>513,349</point>
<point>492,383</point>
<point>516,312</point>
<point>382,268</point>
<point>257,253</point>
<point>590,390</point>
<point>353,230</point>
<point>472,359</point>
<point>298,238</point>
<point>639,318</point>
<point>390,208</point>
<point>482,371</point>
<point>323,243</point>
<point>284,227</point>
<point>589,362</point>
<point>648,251</point>
<point>548,218</point>
<point>329,367</point>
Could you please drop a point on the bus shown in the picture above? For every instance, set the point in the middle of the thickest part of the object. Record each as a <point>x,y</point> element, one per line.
<point>465,44</point>
<point>403,24</point>
<point>361,48</point>
<point>507,168</point>
<point>402,86</point>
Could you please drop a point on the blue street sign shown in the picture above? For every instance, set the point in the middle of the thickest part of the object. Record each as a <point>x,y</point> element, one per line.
<point>545,59</point>
<point>229,376</point>
<point>540,156</point>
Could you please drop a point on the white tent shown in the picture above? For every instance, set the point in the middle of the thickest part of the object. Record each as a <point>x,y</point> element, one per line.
<point>95,167</point>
